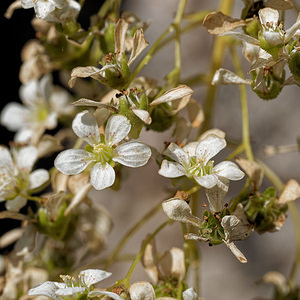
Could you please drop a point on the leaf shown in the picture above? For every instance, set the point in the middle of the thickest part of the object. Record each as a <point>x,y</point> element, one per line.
<point>139,44</point>
<point>217,23</point>
<point>88,102</point>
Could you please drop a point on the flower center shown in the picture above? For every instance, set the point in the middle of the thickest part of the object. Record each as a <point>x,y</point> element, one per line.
<point>198,168</point>
<point>103,153</point>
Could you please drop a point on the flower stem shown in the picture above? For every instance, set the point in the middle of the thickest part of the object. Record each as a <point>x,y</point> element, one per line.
<point>270,174</point>
<point>239,149</point>
<point>244,105</point>
<point>216,62</point>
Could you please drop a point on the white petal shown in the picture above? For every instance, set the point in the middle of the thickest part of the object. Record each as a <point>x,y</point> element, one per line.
<point>241,36</point>
<point>13,116</point>
<point>132,154</point>
<point>178,210</point>
<point>141,291</point>
<point>273,38</point>
<point>59,101</point>
<point>72,161</point>
<point>223,76</point>
<point>209,147</point>
<point>143,115</point>
<point>92,276</point>
<point>171,169</point>
<point>269,15</point>
<point>178,154</point>
<point>228,169</point>
<point>5,158</point>
<point>27,3</point>
<point>85,126</point>
<point>207,181</point>
<point>117,128</point>
<point>190,294</point>
<point>43,8</point>
<point>102,176</point>
<point>15,204</point>
<point>24,135</point>
<point>111,295</point>
<point>291,31</point>
<point>26,158</point>
<point>70,291</point>
<point>47,288</point>
<point>37,178</point>
<point>29,93</point>
<point>173,94</point>
<point>190,149</point>
<point>216,194</point>
<point>51,121</point>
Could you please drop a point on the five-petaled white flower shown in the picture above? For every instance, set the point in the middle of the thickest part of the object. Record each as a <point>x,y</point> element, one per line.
<point>53,10</point>
<point>194,161</point>
<point>16,178</point>
<point>43,103</point>
<point>82,286</point>
<point>102,150</point>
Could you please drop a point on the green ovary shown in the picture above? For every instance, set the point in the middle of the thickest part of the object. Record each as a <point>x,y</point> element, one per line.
<point>103,153</point>
<point>41,114</point>
<point>198,168</point>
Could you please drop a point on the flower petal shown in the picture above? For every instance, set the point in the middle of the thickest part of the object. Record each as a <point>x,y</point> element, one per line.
<point>209,147</point>
<point>269,17</point>
<point>70,291</point>
<point>5,158</point>
<point>139,44</point>
<point>43,8</point>
<point>92,276</point>
<point>241,36</point>
<point>106,293</point>
<point>143,115</point>
<point>26,158</point>
<point>117,128</point>
<point>102,176</point>
<point>38,178</point>
<point>141,290</point>
<point>27,3</point>
<point>132,154</point>
<point>223,76</point>
<point>216,194</point>
<point>85,126</point>
<point>190,149</point>
<point>190,294</point>
<point>207,181</point>
<point>47,288</point>
<point>178,154</point>
<point>228,169</point>
<point>72,161</point>
<point>15,204</point>
<point>13,116</point>
<point>24,135</point>
<point>171,169</point>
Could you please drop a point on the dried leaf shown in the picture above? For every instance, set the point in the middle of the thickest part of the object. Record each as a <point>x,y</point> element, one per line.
<point>279,4</point>
<point>10,237</point>
<point>84,72</point>
<point>149,260</point>
<point>179,104</point>
<point>195,112</point>
<point>236,252</point>
<point>139,44</point>
<point>143,115</point>
<point>141,290</point>
<point>88,102</point>
<point>291,192</point>
<point>173,94</point>
<point>214,131</point>
<point>253,170</point>
<point>178,210</point>
<point>172,263</point>
<point>223,76</point>
<point>120,35</point>
<point>217,23</point>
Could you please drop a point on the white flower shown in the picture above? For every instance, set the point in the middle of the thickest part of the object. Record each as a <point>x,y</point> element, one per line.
<point>194,161</point>
<point>16,178</point>
<point>43,103</point>
<point>102,150</point>
<point>53,10</point>
<point>83,285</point>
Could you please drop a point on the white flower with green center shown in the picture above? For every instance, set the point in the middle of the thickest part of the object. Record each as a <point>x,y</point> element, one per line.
<point>43,103</point>
<point>102,150</point>
<point>16,178</point>
<point>73,288</point>
<point>194,161</point>
<point>53,10</point>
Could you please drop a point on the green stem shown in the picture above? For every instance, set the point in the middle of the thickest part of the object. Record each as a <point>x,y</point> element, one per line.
<point>196,79</point>
<point>33,198</point>
<point>126,280</point>
<point>216,63</point>
<point>244,105</point>
<point>270,174</point>
<point>239,149</point>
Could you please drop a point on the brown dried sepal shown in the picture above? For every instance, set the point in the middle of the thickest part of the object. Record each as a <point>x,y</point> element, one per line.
<point>217,23</point>
<point>181,195</point>
<point>290,192</point>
